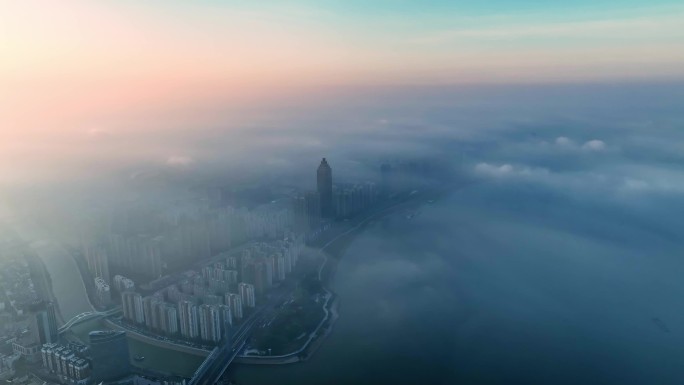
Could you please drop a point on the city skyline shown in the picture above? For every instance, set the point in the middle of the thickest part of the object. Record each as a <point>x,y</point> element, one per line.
<point>341,192</point>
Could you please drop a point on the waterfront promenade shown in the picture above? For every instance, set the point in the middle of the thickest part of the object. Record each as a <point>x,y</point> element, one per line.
<point>332,246</point>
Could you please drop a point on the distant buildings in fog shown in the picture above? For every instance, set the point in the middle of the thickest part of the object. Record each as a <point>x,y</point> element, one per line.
<point>146,243</point>
<point>122,284</point>
<point>210,323</point>
<point>351,199</point>
<point>330,201</point>
<point>247,294</point>
<point>234,302</point>
<point>307,212</point>
<point>324,184</point>
<point>97,261</point>
<point>204,305</point>
<point>177,238</point>
<point>102,292</point>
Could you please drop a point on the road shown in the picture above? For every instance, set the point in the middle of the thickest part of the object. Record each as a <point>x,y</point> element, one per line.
<point>217,363</point>
<point>215,366</point>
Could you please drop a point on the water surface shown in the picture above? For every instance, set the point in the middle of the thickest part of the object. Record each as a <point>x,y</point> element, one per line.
<point>480,288</point>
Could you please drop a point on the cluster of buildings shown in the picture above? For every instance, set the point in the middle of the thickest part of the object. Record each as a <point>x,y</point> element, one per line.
<point>315,208</point>
<point>42,329</point>
<point>68,362</point>
<point>7,370</point>
<point>196,306</point>
<point>17,289</point>
<point>105,359</point>
<point>205,304</point>
<point>145,245</point>
<point>263,264</point>
<point>408,174</point>
<point>122,283</point>
<point>103,294</point>
<point>349,200</point>
<point>187,319</point>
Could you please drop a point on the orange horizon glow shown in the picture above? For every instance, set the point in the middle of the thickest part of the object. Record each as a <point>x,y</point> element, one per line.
<point>83,67</point>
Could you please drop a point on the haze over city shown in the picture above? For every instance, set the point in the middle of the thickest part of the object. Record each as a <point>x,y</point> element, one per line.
<point>367,192</point>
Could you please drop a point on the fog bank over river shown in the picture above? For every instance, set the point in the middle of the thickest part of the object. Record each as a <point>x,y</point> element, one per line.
<point>472,291</point>
<point>561,263</point>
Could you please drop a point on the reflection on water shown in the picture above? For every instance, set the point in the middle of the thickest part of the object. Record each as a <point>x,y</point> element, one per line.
<point>68,289</point>
<point>156,358</point>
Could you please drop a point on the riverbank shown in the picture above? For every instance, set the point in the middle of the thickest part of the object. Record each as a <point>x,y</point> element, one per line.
<point>332,250</point>
<point>156,342</point>
<point>43,283</point>
<point>69,291</point>
<point>308,349</point>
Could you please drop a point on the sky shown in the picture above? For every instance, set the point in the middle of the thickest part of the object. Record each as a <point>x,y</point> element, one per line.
<point>78,70</point>
<point>566,116</point>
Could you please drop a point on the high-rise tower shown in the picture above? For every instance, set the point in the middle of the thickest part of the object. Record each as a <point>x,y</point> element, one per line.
<point>44,322</point>
<point>109,353</point>
<point>324,179</point>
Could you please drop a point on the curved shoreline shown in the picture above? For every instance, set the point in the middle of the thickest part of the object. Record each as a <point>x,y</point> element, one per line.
<point>155,342</point>
<point>316,340</point>
<point>332,250</point>
<point>37,265</point>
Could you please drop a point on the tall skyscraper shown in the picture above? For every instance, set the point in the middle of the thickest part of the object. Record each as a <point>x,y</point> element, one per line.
<point>110,357</point>
<point>324,179</point>
<point>234,301</point>
<point>210,323</point>
<point>226,318</point>
<point>102,291</point>
<point>263,276</point>
<point>139,309</point>
<point>128,305</point>
<point>189,319</point>
<point>44,322</point>
<point>168,318</point>
<point>98,262</point>
<point>151,312</point>
<point>247,294</point>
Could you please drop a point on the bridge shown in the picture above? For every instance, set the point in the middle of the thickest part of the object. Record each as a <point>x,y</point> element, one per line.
<point>83,317</point>
<point>215,366</point>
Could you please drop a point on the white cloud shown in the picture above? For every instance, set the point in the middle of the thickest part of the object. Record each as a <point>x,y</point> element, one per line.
<point>594,145</point>
<point>564,141</point>
<point>492,170</point>
<point>506,170</point>
<point>647,179</point>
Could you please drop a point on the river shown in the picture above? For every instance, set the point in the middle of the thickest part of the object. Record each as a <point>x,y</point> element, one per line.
<point>68,289</point>
<point>67,284</point>
<point>475,290</point>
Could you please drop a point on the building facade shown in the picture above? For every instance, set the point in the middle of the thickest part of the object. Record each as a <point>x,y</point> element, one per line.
<point>109,355</point>
<point>43,322</point>
<point>324,184</point>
